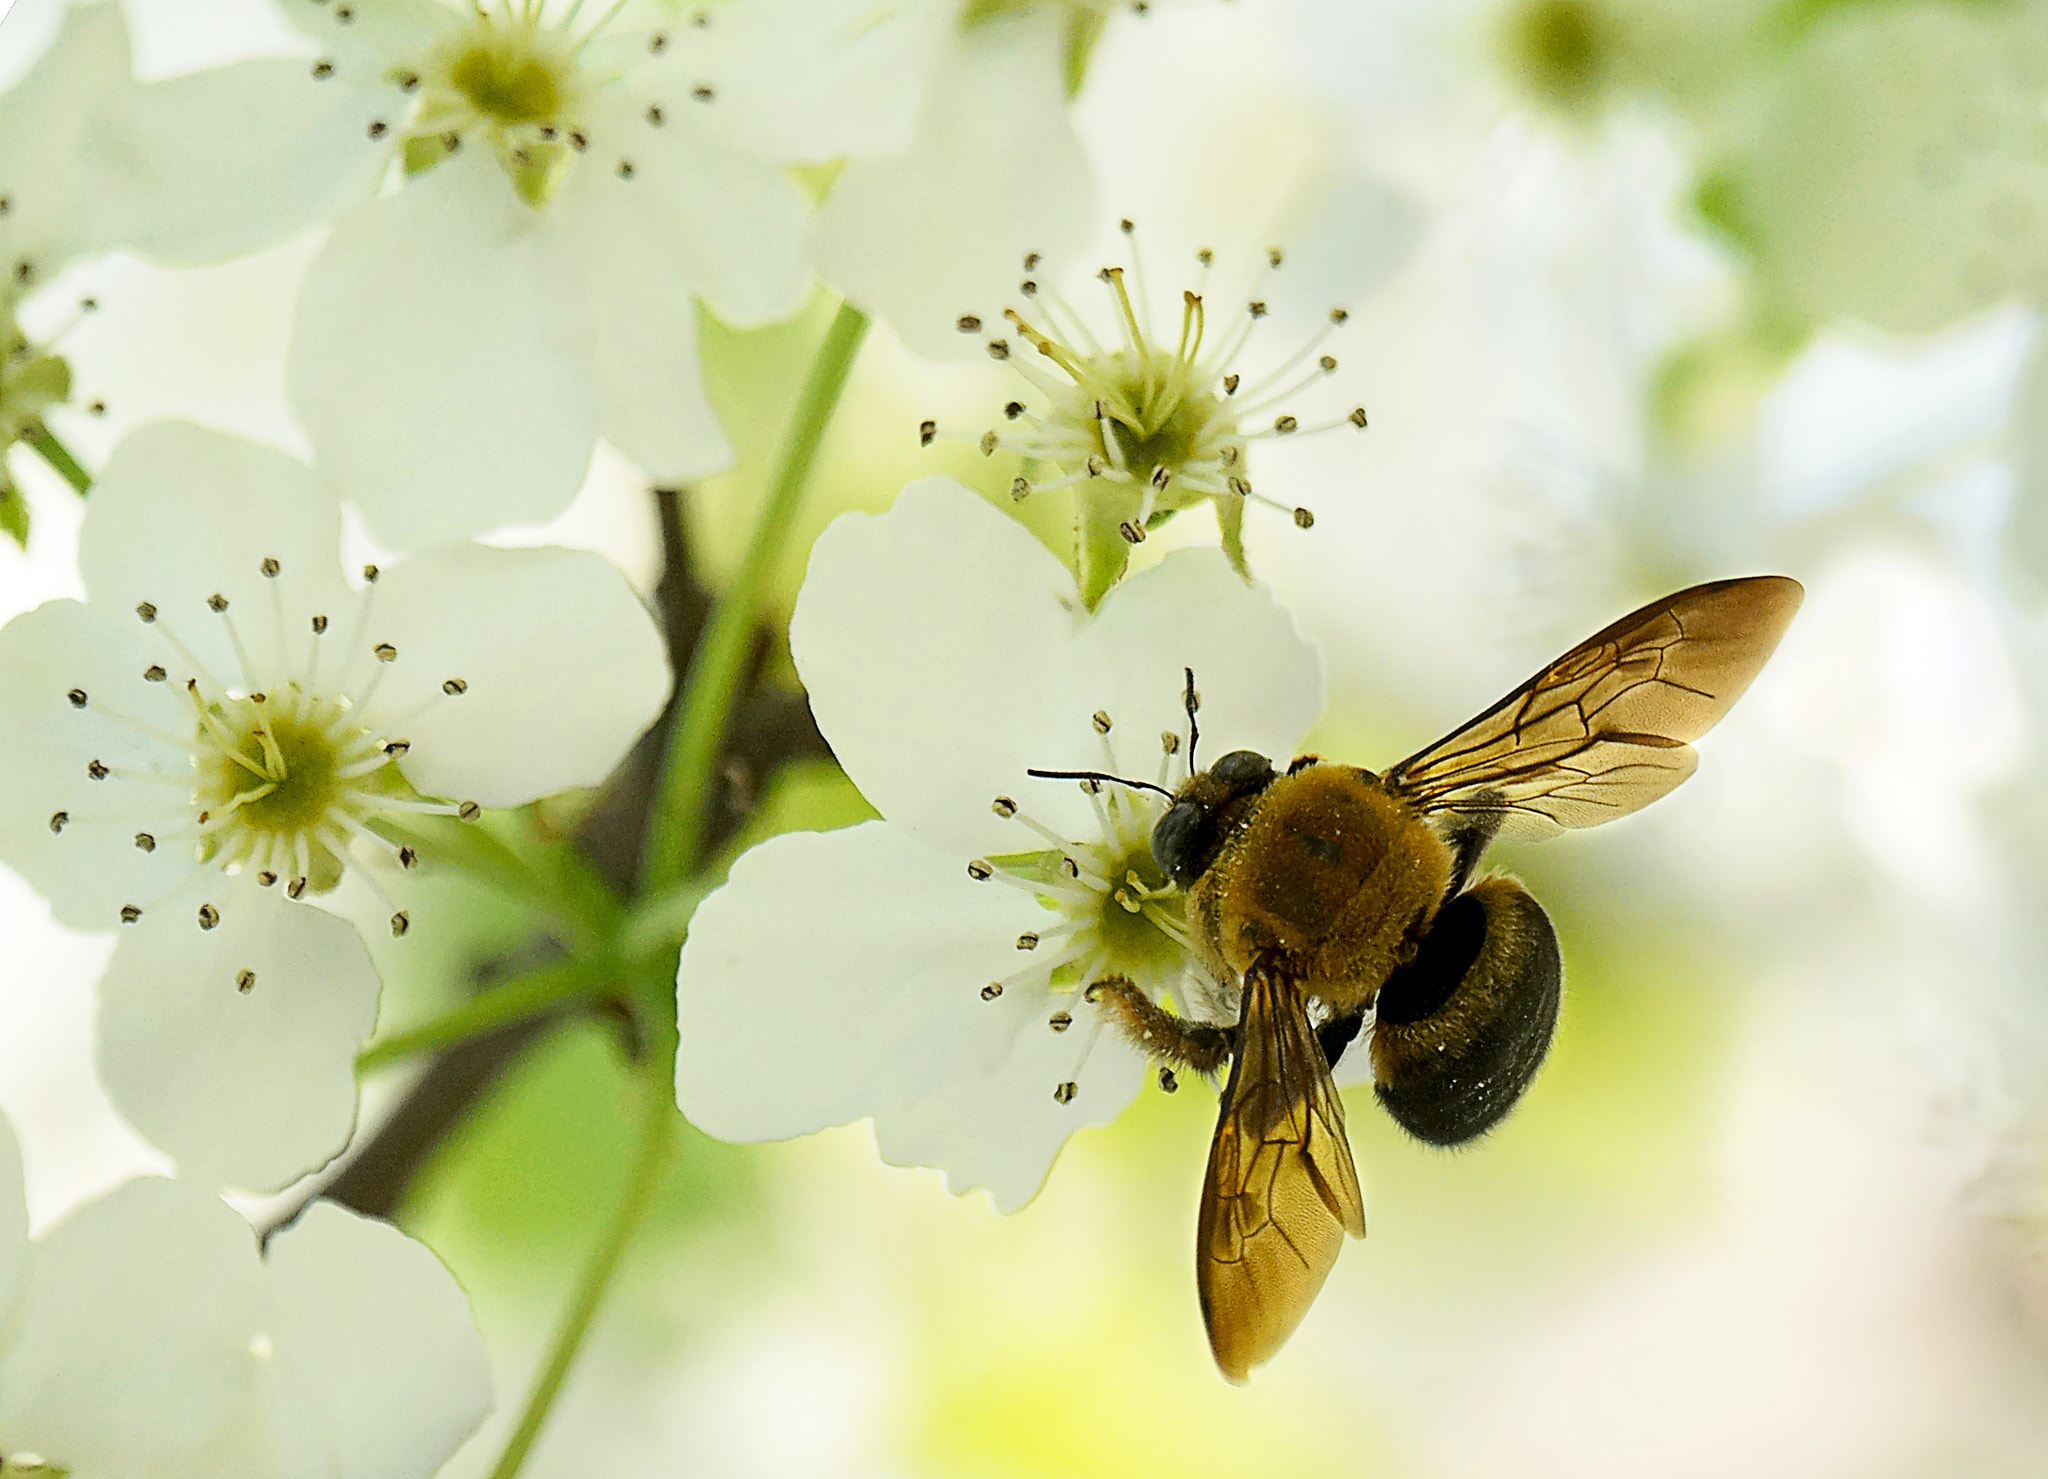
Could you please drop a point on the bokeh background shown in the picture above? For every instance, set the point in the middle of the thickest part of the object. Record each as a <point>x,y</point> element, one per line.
<point>1643,292</point>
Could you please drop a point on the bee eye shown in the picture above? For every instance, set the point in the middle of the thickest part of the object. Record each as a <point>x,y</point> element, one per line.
<point>1461,1030</point>
<point>1243,770</point>
<point>1176,839</point>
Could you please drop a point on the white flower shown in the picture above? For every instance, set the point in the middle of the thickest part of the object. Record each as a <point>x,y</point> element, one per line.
<point>569,189</point>
<point>929,969</point>
<point>1141,423</point>
<point>221,731</point>
<point>145,1337</point>
<point>993,170</point>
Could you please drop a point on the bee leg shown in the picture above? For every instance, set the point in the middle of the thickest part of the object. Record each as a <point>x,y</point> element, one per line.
<point>1158,1032</point>
<point>1460,1031</point>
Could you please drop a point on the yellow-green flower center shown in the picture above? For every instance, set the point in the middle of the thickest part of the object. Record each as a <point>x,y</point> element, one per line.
<point>506,82</point>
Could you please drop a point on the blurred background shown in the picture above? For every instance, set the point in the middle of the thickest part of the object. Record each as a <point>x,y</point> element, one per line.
<point>1642,293</point>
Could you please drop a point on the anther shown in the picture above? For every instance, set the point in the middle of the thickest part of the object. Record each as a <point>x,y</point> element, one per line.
<point>1060,1021</point>
<point>1013,410</point>
<point>209,917</point>
<point>1167,1081</point>
<point>1339,315</point>
<point>408,82</point>
<point>998,349</point>
<point>130,913</point>
<point>400,923</point>
<point>1127,225</point>
<point>1256,308</point>
<point>217,603</point>
<point>407,858</point>
<point>455,687</point>
<point>146,611</point>
<point>1303,519</point>
<point>1206,256</point>
<point>1272,256</point>
<point>322,70</point>
<point>1003,806</point>
<point>1328,364</point>
<point>245,981</point>
<point>370,574</point>
<point>385,652</point>
<point>968,323</point>
<point>658,42</point>
<point>1230,383</point>
<point>267,878</point>
<point>1131,532</point>
<point>144,842</point>
<point>58,819</point>
<point>1027,941</point>
<point>1065,1093</point>
<point>702,93</point>
<point>1031,261</point>
<point>1020,488</point>
<point>991,991</point>
<point>296,887</point>
<point>989,442</point>
<point>980,871</point>
<point>654,114</point>
<point>77,697</point>
<point>1169,742</point>
<point>319,625</point>
<point>1285,424</point>
<point>469,811</point>
<point>1100,719</point>
<point>624,169</point>
<point>1069,867</point>
<point>1357,417</point>
<point>270,567</point>
<point>926,431</point>
<point>377,128</point>
<point>395,748</point>
<point>96,770</point>
<point>344,14</point>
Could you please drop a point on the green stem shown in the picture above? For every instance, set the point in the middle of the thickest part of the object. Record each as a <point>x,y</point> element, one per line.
<point>657,1140</point>
<point>721,657</point>
<point>495,1006</point>
<point>39,440</point>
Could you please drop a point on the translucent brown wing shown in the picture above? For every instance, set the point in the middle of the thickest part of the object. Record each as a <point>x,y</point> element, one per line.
<point>1280,1193</point>
<point>1604,730</point>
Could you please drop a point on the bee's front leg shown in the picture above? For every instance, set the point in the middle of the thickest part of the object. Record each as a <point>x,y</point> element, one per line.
<point>1158,1033</point>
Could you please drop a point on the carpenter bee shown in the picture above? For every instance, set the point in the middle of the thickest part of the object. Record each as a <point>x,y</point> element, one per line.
<point>1336,901</point>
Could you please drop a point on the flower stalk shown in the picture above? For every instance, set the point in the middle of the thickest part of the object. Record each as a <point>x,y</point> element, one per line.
<point>39,440</point>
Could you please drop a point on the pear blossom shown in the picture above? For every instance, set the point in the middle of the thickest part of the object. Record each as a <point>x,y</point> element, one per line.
<point>931,970</point>
<point>563,188</point>
<point>146,1337</point>
<point>1144,423</point>
<point>228,726</point>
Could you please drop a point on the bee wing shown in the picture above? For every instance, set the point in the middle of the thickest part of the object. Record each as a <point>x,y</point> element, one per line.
<point>1604,730</point>
<point>1280,1193</point>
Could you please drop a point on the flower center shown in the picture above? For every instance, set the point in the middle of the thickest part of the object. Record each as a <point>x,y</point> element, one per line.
<point>504,80</point>
<point>287,778</point>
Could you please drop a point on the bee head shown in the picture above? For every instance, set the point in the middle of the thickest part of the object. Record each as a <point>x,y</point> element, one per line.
<point>1186,839</point>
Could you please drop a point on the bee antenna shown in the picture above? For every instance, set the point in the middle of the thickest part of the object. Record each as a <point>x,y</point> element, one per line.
<point>1098,775</point>
<point>1193,702</point>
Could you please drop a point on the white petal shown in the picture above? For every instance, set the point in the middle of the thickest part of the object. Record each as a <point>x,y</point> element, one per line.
<point>377,1368</point>
<point>432,365</point>
<point>13,1220</point>
<point>91,866</point>
<point>816,79</point>
<point>1003,1132</point>
<point>563,667</point>
<point>133,1331</point>
<point>1260,681</point>
<point>58,126</point>
<point>245,1089</point>
<point>729,226</point>
<point>643,318</point>
<point>181,514</point>
<point>938,643</point>
<point>839,974</point>
<point>243,157</point>
<point>996,172</point>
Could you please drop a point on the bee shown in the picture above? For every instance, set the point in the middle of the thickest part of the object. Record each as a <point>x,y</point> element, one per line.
<point>1337,902</point>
